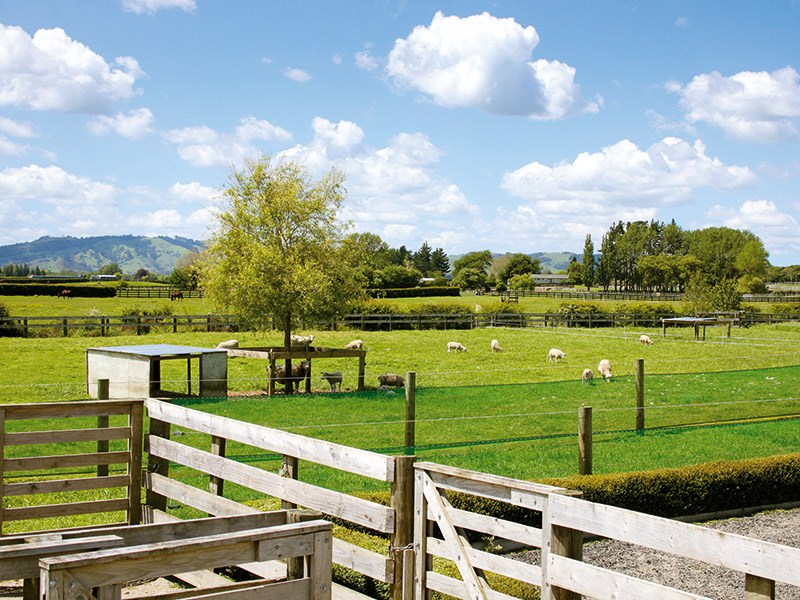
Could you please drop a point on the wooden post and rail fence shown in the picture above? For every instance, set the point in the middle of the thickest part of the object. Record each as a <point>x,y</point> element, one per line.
<point>425,518</point>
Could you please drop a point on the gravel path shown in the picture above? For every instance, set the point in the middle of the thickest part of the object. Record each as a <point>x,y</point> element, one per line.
<point>782,527</point>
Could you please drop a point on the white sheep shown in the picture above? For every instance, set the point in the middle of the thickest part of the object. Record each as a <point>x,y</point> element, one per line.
<point>496,346</point>
<point>555,355</point>
<point>587,376</point>
<point>456,347</point>
<point>334,378</point>
<point>391,380</point>
<point>604,369</point>
<point>301,341</point>
<point>355,345</point>
<point>645,339</point>
<point>228,344</point>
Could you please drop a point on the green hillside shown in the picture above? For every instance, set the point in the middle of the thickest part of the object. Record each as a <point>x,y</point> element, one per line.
<point>131,252</point>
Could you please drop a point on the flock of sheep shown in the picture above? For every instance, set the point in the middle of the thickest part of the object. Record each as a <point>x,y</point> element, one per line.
<point>390,380</point>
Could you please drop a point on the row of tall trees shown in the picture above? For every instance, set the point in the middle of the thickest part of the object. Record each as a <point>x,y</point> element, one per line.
<point>663,257</point>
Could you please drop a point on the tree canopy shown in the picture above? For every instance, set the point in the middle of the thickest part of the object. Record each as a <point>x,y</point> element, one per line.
<point>278,250</point>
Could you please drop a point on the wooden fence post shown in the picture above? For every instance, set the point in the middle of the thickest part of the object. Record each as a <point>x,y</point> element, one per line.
<point>102,423</point>
<point>402,502</point>
<point>561,541</point>
<point>639,394</point>
<point>295,567</point>
<point>289,469</point>
<point>158,465</point>
<point>218,446</point>
<point>411,417</point>
<point>758,588</point>
<point>585,440</point>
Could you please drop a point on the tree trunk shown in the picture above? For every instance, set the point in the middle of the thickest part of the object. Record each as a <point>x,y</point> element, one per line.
<point>287,344</point>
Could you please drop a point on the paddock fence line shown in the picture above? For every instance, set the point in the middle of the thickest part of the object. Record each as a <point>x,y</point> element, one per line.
<point>157,292</point>
<point>75,461</point>
<point>143,324</point>
<point>165,453</point>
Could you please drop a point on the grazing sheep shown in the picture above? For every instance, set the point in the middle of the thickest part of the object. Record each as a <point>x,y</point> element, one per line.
<point>587,376</point>
<point>355,345</point>
<point>301,341</point>
<point>496,346</point>
<point>555,355</point>
<point>456,347</point>
<point>391,380</point>
<point>299,372</point>
<point>228,344</point>
<point>604,369</point>
<point>645,339</point>
<point>334,378</point>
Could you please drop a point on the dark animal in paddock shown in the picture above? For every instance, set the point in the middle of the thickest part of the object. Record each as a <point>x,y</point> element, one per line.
<point>176,296</point>
<point>299,373</point>
<point>65,294</point>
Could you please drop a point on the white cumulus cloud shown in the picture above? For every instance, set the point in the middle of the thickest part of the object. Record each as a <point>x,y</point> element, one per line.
<point>53,185</point>
<point>51,71</point>
<point>665,173</point>
<point>297,75</point>
<point>483,62</point>
<point>204,147</point>
<point>134,125</point>
<point>153,6</point>
<point>751,106</point>
<point>194,192</point>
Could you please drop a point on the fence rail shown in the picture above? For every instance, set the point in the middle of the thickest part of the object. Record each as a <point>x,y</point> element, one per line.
<point>141,325</point>
<point>156,292</point>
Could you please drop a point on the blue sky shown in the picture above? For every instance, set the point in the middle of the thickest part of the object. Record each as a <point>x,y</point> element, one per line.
<point>517,126</point>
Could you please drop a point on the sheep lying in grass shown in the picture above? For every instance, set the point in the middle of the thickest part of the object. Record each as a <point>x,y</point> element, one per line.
<point>587,376</point>
<point>555,355</point>
<point>391,380</point>
<point>496,346</point>
<point>645,339</point>
<point>604,369</point>
<point>334,378</point>
<point>355,345</point>
<point>456,347</point>
<point>228,344</point>
<point>301,341</point>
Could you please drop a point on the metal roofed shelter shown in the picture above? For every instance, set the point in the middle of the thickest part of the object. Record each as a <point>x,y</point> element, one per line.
<point>135,371</point>
<point>696,322</point>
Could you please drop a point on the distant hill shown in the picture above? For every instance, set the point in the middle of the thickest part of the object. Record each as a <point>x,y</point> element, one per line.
<point>550,261</point>
<point>84,255</point>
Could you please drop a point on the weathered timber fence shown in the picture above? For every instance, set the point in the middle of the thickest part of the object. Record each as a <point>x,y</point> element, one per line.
<point>44,445</point>
<point>440,530</point>
<point>164,453</point>
<point>156,292</point>
<point>140,325</point>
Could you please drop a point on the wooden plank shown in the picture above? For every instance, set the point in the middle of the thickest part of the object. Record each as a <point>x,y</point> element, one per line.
<point>455,587</point>
<point>196,498</point>
<point>58,436</point>
<point>519,493</point>
<point>299,589</point>
<point>337,456</point>
<point>737,552</point>
<point>320,569</point>
<point>341,592</point>
<point>21,561</point>
<point>38,463</point>
<point>135,449</point>
<point>68,410</point>
<point>362,560</point>
<point>597,582</point>
<point>108,567</point>
<point>350,508</point>
<point>62,510</point>
<point>515,569</point>
<point>499,528</point>
<point>474,587</point>
<point>65,485</point>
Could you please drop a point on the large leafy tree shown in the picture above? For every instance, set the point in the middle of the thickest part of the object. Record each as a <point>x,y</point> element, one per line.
<point>519,264</point>
<point>474,260</point>
<point>278,249</point>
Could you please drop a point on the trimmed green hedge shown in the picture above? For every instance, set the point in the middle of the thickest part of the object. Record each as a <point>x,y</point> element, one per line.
<point>415,292</point>
<point>44,289</point>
